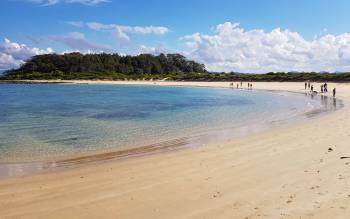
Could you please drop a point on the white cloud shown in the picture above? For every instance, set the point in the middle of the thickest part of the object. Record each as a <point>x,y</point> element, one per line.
<point>99,27</point>
<point>121,32</point>
<point>77,42</point>
<point>144,30</point>
<point>76,23</point>
<point>231,48</point>
<point>8,62</point>
<point>12,54</point>
<point>121,36</point>
<point>54,2</point>
<point>128,29</point>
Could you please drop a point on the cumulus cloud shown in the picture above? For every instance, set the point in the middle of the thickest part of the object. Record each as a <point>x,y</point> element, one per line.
<point>231,48</point>
<point>12,54</point>
<point>54,2</point>
<point>76,41</point>
<point>8,62</point>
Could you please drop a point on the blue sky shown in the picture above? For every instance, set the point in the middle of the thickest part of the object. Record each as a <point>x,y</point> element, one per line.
<point>168,26</point>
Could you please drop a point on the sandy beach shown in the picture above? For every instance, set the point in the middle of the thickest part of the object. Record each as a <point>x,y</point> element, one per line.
<point>295,171</point>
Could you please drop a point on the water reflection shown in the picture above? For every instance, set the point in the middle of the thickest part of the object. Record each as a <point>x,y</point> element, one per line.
<point>328,104</point>
<point>325,101</point>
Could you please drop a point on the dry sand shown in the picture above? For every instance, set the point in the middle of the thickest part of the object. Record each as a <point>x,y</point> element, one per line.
<point>280,173</point>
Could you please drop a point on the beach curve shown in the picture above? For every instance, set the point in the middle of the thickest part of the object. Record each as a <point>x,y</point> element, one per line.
<point>280,173</point>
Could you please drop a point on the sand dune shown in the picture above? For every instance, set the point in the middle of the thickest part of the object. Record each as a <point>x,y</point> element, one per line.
<point>287,172</point>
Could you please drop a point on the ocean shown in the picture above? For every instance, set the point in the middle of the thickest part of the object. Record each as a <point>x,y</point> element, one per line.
<point>46,121</point>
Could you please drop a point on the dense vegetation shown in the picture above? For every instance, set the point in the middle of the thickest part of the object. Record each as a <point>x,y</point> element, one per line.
<point>142,67</point>
<point>103,66</point>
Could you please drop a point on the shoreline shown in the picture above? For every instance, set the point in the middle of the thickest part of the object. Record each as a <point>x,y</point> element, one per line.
<point>283,165</point>
<point>65,162</point>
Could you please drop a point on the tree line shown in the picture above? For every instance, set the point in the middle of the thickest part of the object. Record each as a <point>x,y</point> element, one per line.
<point>143,67</point>
<point>102,66</point>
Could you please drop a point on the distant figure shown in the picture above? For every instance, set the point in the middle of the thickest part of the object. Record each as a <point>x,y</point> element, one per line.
<point>251,86</point>
<point>308,84</point>
<point>237,86</point>
<point>248,85</point>
<point>322,88</point>
<point>334,92</point>
<point>305,85</point>
<point>241,83</point>
<point>325,87</point>
<point>231,84</point>
<point>312,88</point>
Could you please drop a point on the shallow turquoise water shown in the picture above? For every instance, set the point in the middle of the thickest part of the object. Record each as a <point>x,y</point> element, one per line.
<point>41,121</point>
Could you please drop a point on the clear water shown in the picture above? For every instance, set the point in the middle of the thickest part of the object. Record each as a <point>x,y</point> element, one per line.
<point>42,121</point>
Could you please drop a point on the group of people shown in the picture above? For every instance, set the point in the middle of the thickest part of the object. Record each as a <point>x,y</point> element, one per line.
<point>250,85</point>
<point>308,85</point>
<point>324,88</point>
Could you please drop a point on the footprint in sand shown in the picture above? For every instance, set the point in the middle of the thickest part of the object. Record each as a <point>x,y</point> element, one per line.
<point>216,194</point>
<point>340,177</point>
<point>315,187</point>
<point>291,197</point>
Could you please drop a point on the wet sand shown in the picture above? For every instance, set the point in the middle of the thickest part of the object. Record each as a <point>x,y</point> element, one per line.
<point>288,172</point>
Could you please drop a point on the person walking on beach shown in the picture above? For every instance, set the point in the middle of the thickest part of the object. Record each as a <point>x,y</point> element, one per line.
<point>241,83</point>
<point>248,85</point>
<point>305,85</point>
<point>251,86</point>
<point>312,88</point>
<point>237,86</point>
<point>334,92</point>
<point>321,88</point>
<point>308,84</point>
<point>325,88</point>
